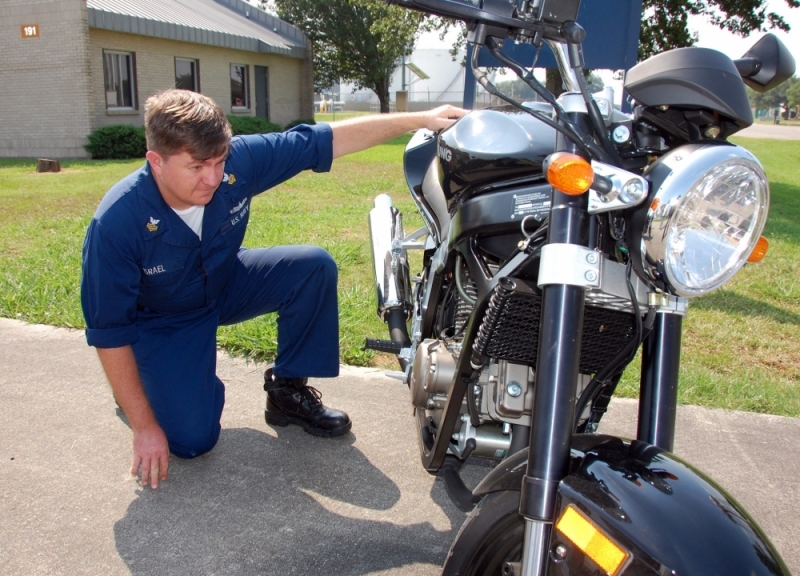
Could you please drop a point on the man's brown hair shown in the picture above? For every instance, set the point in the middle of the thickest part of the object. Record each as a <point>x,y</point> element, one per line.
<point>184,121</point>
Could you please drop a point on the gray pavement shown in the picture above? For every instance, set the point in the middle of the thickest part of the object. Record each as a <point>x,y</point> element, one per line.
<point>268,501</point>
<point>773,131</point>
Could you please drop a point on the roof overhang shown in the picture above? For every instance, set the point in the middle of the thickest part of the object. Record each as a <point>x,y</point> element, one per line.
<point>278,37</point>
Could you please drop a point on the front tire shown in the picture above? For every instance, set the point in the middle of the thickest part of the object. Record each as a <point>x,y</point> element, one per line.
<point>491,536</point>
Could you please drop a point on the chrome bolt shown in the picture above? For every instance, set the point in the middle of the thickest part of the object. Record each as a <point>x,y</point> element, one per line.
<point>633,191</point>
<point>621,134</point>
<point>591,258</point>
<point>513,389</point>
<point>591,276</point>
<point>561,551</point>
<point>477,390</point>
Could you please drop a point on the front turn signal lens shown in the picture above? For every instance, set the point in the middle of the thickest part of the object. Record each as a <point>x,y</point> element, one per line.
<point>590,540</point>
<point>569,173</point>
<point>758,253</point>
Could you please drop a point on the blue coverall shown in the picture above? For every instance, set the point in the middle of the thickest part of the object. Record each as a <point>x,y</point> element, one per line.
<point>148,281</point>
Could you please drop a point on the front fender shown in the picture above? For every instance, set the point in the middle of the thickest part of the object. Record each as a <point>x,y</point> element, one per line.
<point>669,516</point>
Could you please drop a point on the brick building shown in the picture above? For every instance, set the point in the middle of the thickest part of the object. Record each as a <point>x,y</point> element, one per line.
<point>71,66</point>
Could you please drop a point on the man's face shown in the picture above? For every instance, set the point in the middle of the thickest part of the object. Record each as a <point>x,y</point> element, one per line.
<point>185,182</point>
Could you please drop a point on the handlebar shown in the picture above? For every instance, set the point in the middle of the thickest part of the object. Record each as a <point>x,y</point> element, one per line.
<point>465,12</point>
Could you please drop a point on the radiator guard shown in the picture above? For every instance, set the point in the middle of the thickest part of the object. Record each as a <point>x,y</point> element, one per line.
<point>510,328</point>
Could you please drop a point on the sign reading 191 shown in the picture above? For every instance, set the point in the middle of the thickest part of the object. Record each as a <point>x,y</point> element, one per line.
<point>30,30</point>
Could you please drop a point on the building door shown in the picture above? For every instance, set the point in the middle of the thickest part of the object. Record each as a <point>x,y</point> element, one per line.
<point>262,91</point>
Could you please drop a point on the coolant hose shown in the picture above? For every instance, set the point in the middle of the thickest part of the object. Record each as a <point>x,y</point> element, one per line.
<point>456,489</point>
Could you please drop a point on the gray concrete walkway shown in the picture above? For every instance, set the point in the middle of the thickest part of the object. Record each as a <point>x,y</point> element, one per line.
<point>773,131</point>
<point>275,502</point>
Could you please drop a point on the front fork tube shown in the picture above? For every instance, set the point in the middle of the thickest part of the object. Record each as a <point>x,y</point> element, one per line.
<point>554,404</point>
<point>534,552</point>
<point>658,393</point>
<point>560,337</point>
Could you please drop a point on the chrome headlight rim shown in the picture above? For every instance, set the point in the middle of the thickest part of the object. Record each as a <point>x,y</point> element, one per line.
<point>673,177</point>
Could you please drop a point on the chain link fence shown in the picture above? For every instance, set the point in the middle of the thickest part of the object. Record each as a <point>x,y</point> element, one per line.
<point>417,101</point>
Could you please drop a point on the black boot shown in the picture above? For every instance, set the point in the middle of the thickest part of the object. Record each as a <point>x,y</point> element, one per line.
<point>292,401</point>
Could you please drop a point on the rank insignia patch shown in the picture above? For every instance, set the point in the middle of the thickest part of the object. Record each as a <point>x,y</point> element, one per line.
<point>153,224</point>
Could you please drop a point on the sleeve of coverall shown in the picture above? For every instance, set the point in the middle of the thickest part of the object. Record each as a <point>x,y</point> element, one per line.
<point>109,288</point>
<point>278,156</point>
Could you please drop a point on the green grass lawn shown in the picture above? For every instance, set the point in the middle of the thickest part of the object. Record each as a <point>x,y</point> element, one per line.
<point>741,343</point>
<point>336,116</point>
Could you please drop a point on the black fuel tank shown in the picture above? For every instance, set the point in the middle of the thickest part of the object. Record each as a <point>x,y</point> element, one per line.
<point>489,147</point>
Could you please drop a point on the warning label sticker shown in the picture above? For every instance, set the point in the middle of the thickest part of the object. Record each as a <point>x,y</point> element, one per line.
<point>536,204</point>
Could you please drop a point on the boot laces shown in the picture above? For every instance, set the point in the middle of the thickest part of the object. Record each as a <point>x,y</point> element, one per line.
<point>312,396</point>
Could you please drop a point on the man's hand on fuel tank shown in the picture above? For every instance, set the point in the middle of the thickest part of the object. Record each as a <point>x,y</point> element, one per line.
<point>442,117</point>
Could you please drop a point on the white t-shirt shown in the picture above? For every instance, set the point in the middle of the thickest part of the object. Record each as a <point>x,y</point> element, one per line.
<point>193,216</point>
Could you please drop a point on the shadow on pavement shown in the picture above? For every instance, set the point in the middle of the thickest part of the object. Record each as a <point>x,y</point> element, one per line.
<point>254,505</point>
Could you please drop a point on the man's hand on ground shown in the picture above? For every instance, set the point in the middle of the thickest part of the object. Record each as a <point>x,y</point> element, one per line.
<point>151,455</point>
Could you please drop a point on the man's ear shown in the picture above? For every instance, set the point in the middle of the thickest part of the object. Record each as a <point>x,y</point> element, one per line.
<point>156,162</point>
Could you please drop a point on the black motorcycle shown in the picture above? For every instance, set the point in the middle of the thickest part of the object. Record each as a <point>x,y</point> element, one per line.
<point>559,237</point>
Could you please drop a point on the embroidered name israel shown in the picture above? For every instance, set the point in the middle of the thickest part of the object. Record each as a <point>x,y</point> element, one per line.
<point>154,270</point>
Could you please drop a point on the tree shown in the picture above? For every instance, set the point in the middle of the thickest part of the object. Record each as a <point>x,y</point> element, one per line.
<point>517,90</point>
<point>594,81</point>
<point>793,93</point>
<point>786,94</point>
<point>358,41</point>
<point>665,23</point>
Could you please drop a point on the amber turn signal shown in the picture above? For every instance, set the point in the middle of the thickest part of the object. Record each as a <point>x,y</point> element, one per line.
<point>759,251</point>
<point>569,173</point>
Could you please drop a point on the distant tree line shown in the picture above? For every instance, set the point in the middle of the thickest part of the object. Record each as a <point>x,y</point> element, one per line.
<point>787,94</point>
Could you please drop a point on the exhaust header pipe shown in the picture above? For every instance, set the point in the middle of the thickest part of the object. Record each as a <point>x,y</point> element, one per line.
<point>389,258</point>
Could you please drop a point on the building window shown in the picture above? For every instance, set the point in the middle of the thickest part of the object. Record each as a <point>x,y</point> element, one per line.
<point>118,72</point>
<point>186,74</point>
<point>240,86</point>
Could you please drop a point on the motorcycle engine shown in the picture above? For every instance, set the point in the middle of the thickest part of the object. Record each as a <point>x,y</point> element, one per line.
<point>503,392</point>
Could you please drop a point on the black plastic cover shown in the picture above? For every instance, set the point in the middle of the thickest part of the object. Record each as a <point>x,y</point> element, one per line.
<point>691,78</point>
<point>668,515</point>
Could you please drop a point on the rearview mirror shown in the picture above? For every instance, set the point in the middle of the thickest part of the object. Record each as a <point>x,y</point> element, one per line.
<point>766,65</point>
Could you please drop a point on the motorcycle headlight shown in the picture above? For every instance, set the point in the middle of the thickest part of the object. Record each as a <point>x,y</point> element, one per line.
<point>707,208</point>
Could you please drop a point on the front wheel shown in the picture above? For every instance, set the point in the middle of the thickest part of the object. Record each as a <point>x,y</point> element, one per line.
<point>491,536</point>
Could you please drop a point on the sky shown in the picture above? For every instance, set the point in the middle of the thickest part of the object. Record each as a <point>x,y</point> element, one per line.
<point>709,36</point>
